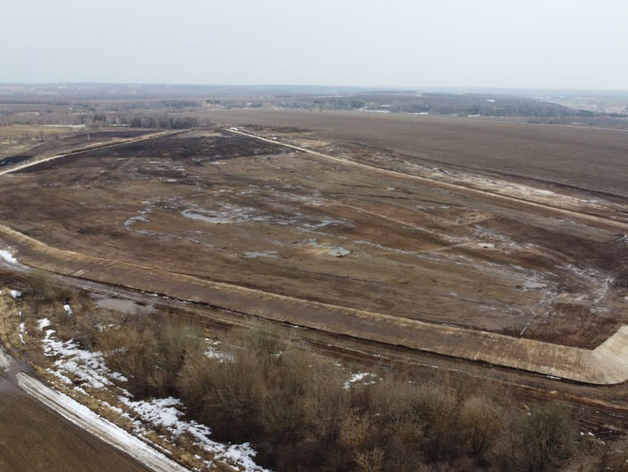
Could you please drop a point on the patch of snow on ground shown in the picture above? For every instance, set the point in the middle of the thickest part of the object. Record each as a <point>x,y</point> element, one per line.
<point>90,369</point>
<point>213,353</point>
<point>256,254</point>
<point>68,309</point>
<point>90,421</point>
<point>43,323</point>
<point>530,285</point>
<point>166,412</point>
<point>136,219</point>
<point>78,364</point>
<point>16,294</point>
<point>22,331</point>
<point>7,256</point>
<point>365,378</point>
<point>339,252</point>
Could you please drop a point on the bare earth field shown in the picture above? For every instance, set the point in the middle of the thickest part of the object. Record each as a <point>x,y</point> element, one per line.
<point>44,442</point>
<point>498,242</point>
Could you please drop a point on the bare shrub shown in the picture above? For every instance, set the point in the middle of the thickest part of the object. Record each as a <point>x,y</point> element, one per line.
<point>614,457</point>
<point>235,397</point>
<point>326,404</point>
<point>480,423</point>
<point>370,461</point>
<point>88,327</point>
<point>548,436</point>
<point>440,409</point>
<point>149,352</point>
<point>40,284</point>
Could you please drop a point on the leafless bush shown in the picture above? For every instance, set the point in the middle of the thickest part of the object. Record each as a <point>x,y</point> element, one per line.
<point>548,436</point>
<point>480,424</point>
<point>149,351</point>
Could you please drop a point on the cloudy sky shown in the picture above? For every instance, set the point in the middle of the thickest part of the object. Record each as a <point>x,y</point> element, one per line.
<point>565,44</point>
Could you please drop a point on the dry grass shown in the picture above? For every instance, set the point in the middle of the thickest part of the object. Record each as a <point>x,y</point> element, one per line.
<point>19,139</point>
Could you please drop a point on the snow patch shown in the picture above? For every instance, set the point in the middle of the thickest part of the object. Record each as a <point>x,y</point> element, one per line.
<point>364,378</point>
<point>22,331</point>
<point>256,254</point>
<point>97,425</point>
<point>16,294</point>
<point>213,353</point>
<point>88,369</point>
<point>530,285</point>
<point>43,323</point>
<point>7,256</point>
<point>81,366</point>
<point>167,413</point>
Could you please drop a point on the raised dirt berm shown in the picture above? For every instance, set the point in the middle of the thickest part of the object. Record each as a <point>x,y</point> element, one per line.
<point>607,364</point>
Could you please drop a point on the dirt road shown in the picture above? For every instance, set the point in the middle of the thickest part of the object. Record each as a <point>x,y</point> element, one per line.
<point>36,437</point>
<point>91,147</point>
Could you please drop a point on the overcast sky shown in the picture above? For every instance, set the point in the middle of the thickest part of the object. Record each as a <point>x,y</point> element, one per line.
<point>581,44</point>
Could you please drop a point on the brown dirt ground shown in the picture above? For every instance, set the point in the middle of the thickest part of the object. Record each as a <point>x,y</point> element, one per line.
<point>585,158</point>
<point>231,209</point>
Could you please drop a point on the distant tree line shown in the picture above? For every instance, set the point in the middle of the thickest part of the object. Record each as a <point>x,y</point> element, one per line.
<point>433,103</point>
<point>161,114</point>
<point>145,120</point>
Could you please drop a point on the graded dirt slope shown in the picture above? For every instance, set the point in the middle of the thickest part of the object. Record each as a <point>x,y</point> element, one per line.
<point>603,365</point>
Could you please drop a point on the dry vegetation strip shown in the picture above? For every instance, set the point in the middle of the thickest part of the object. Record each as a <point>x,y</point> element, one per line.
<point>601,366</point>
<point>300,412</point>
<point>19,139</point>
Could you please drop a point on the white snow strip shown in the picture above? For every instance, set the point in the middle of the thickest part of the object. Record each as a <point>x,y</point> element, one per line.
<point>5,359</point>
<point>68,309</point>
<point>7,256</point>
<point>16,294</point>
<point>74,365</point>
<point>86,419</point>
<point>165,412</point>
<point>22,331</point>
